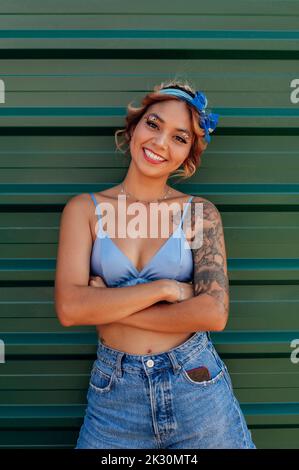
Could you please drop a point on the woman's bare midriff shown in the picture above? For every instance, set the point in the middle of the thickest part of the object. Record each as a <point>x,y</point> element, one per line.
<point>130,339</point>
<point>136,341</point>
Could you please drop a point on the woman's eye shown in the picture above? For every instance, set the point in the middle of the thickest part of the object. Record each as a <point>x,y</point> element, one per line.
<point>150,123</point>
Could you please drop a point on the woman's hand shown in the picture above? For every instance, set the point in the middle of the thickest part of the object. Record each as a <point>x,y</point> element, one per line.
<point>96,281</point>
<point>177,288</point>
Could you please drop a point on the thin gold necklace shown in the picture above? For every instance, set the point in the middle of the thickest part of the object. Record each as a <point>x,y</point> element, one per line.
<point>123,191</point>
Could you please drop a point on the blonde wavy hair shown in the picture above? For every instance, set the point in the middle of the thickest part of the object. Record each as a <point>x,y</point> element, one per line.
<point>134,114</point>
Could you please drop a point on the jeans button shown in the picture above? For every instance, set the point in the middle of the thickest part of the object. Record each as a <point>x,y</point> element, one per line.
<point>150,363</point>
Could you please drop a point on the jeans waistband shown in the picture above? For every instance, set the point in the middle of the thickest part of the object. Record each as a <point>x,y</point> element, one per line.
<point>121,361</point>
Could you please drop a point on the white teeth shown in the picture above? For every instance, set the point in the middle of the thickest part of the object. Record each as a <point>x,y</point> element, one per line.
<point>153,156</point>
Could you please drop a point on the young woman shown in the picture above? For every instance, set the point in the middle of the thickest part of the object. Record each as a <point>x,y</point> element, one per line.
<point>157,381</point>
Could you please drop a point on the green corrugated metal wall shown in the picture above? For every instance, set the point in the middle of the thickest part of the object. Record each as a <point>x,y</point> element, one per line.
<point>69,69</point>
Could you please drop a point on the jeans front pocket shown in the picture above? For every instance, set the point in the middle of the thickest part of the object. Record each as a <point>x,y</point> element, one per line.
<point>101,381</point>
<point>203,368</point>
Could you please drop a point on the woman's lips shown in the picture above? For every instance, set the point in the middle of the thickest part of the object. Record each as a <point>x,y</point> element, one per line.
<point>154,162</point>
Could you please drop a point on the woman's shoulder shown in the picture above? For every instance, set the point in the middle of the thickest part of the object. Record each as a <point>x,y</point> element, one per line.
<point>86,198</point>
<point>82,204</point>
<point>206,202</point>
<point>108,194</point>
<point>210,213</point>
<point>79,200</point>
<point>207,205</point>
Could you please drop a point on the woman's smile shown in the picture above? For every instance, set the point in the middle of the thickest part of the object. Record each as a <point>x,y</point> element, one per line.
<point>152,157</point>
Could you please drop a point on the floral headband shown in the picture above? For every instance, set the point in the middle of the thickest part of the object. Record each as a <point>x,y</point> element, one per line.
<point>208,121</point>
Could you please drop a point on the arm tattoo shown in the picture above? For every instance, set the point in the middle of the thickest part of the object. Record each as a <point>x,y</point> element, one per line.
<point>210,271</point>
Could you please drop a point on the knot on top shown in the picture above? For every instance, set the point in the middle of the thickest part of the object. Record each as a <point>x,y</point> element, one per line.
<point>133,282</point>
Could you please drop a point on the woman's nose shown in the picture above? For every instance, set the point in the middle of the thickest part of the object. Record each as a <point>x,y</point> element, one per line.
<point>161,141</point>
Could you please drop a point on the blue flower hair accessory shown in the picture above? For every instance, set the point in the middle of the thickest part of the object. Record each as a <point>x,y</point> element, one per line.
<point>208,121</point>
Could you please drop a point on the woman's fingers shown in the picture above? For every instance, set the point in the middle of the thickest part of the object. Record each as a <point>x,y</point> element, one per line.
<point>96,281</point>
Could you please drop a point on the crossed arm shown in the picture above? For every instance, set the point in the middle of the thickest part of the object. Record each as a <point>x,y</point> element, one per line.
<point>208,309</point>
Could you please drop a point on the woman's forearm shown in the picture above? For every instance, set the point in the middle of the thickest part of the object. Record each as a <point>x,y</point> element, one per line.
<point>200,313</point>
<point>85,305</point>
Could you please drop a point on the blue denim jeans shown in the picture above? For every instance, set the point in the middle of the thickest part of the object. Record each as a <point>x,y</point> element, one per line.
<point>152,402</point>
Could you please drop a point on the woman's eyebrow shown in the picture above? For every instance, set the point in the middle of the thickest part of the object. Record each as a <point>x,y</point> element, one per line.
<point>160,119</point>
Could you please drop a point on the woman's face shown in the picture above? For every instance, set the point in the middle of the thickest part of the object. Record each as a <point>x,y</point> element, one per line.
<point>157,132</point>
